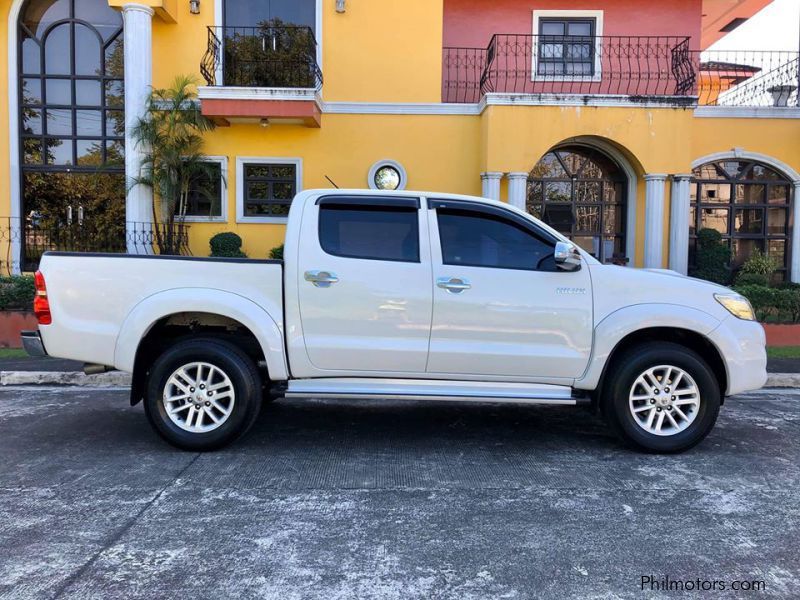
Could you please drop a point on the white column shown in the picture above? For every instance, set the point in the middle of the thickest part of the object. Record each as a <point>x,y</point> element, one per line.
<point>679,224</point>
<point>518,189</point>
<point>794,268</point>
<point>490,184</point>
<point>653,219</point>
<point>138,36</point>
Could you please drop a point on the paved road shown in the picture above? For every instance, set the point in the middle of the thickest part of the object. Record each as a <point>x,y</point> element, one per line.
<point>371,500</point>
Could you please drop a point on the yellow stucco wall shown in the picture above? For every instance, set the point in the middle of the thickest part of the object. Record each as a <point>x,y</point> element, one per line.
<point>391,52</point>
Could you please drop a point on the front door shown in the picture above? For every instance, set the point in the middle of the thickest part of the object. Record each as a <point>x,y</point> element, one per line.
<point>501,307</point>
<point>364,284</point>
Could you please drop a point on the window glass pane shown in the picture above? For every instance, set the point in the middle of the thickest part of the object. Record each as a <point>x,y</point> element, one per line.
<point>778,194</point>
<point>59,152</point>
<point>587,218</point>
<point>743,248</point>
<point>115,93</point>
<point>258,191</point>
<point>588,191</point>
<point>715,193</point>
<point>612,219</point>
<point>115,123</point>
<point>574,161</point>
<point>97,12</point>
<point>204,198</point>
<point>32,151</point>
<point>473,239</point>
<point>732,168</point>
<point>88,93</point>
<point>253,171</point>
<point>558,191</point>
<point>40,14</point>
<point>692,220</point>
<point>549,167</point>
<point>714,218</point>
<point>750,220</point>
<point>579,28</point>
<point>282,190</point>
<point>57,50</point>
<point>59,91</point>
<point>777,250</point>
<point>280,209</point>
<point>551,28</point>
<point>58,121</point>
<point>32,120</point>
<point>31,91</point>
<point>551,51</point>
<point>377,233</point>
<point>89,122</point>
<point>115,153</point>
<point>31,58</point>
<point>751,193</point>
<point>90,153</point>
<point>589,243</point>
<point>776,221</point>
<point>88,52</point>
<point>762,172</point>
<point>114,66</point>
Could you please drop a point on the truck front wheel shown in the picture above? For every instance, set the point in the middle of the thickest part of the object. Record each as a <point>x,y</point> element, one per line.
<point>661,397</point>
<point>202,394</point>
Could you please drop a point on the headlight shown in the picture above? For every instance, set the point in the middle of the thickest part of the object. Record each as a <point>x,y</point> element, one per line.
<point>738,306</point>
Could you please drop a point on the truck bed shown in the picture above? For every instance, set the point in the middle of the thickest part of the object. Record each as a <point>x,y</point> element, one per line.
<point>92,296</point>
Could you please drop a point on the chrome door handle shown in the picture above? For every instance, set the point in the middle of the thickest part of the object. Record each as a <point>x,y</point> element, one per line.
<point>453,285</point>
<point>321,279</point>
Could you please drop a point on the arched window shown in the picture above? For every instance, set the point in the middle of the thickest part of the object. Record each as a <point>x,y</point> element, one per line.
<point>581,192</point>
<point>72,126</point>
<point>748,203</point>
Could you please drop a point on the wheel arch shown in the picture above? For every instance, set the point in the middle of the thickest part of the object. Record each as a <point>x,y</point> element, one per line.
<point>628,327</point>
<point>163,318</point>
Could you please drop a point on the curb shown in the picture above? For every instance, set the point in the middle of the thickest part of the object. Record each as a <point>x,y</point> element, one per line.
<point>120,379</point>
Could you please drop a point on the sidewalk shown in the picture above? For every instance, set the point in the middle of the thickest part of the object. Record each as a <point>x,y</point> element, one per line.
<point>784,372</point>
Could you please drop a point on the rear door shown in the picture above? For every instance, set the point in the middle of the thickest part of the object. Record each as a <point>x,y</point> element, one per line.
<point>364,284</point>
<point>501,307</point>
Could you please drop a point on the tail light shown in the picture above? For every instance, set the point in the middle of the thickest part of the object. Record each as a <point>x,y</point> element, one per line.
<point>41,305</point>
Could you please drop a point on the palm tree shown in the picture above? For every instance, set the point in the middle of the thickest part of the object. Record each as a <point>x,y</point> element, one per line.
<point>170,137</point>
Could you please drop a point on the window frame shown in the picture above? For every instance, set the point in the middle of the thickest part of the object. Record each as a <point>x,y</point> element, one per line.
<point>222,161</point>
<point>492,212</point>
<point>241,161</point>
<point>399,204</point>
<point>568,15</point>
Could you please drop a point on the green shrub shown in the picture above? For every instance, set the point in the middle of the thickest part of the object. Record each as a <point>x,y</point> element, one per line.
<point>773,304</point>
<point>227,245</point>
<point>16,292</point>
<point>752,279</point>
<point>758,264</point>
<point>276,253</point>
<point>712,257</point>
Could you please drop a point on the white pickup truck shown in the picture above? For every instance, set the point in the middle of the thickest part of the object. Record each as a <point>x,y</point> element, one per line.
<point>403,295</point>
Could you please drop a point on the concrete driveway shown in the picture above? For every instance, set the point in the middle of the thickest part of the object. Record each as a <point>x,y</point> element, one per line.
<point>391,500</point>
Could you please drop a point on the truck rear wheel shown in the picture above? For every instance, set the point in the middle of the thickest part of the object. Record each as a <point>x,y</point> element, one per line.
<point>202,394</point>
<point>661,397</point>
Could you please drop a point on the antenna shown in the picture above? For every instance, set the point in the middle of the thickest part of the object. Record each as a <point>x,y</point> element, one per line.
<point>331,180</point>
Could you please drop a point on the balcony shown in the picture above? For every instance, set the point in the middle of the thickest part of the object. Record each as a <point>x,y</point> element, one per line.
<point>638,67</point>
<point>614,69</point>
<point>267,74</point>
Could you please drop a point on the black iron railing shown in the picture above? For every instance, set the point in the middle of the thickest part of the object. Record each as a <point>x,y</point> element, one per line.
<point>263,56</point>
<point>747,78</point>
<point>638,66</point>
<point>22,242</point>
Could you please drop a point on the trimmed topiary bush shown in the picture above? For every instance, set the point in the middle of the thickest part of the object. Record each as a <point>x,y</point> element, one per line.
<point>227,245</point>
<point>276,253</point>
<point>752,279</point>
<point>712,257</point>
<point>16,292</point>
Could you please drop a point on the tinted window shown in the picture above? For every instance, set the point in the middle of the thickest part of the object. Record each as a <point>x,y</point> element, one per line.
<point>376,233</point>
<point>205,193</point>
<point>483,240</point>
<point>269,189</point>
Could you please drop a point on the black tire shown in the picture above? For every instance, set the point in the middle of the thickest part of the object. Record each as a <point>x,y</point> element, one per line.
<point>622,374</point>
<point>223,355</point>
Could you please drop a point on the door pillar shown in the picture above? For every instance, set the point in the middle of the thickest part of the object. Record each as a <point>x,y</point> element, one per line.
<point>138,43</point>
<point>654,220</point>
<point>518,189</point>
<point>679,224</point>
<point>490,184</point>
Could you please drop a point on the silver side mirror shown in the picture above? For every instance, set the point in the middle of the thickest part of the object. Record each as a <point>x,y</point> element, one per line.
<point>567,256</point>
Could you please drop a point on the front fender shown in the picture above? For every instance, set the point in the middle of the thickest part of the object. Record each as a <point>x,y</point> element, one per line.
<point>617,325</point>
<point>149,311</point>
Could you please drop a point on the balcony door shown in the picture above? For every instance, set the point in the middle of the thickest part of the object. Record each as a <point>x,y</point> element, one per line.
<point>269,43</point>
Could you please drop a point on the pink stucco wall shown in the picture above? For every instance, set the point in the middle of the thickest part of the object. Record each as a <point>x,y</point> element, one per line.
<point>471,23</point>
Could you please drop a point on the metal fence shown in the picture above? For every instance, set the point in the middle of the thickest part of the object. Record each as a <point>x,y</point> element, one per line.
<point>747,77</point>
<point>263,56</point>
<point>638,66</point>
<point>22,242</point>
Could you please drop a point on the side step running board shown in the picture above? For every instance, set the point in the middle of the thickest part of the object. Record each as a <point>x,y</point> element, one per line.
<point>429,389</point>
